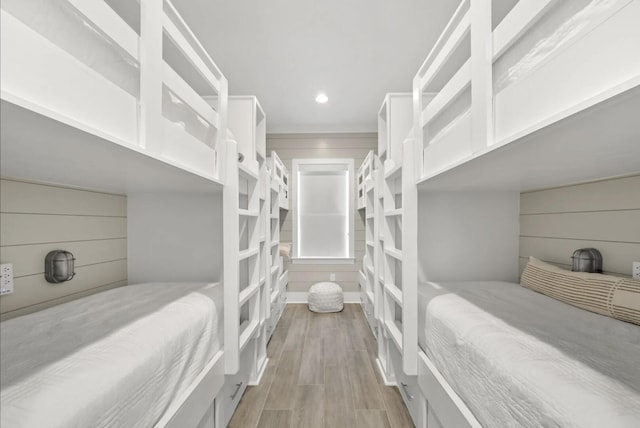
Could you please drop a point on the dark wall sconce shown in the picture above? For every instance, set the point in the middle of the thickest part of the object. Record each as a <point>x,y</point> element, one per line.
<point>587,260</point>
<point>59,266</point>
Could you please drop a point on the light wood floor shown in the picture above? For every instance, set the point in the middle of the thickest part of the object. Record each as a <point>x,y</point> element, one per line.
<point>321,373</point>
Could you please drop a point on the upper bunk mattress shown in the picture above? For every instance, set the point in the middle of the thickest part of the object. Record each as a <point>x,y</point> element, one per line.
<point>521,359</point>
<point>116,358</point>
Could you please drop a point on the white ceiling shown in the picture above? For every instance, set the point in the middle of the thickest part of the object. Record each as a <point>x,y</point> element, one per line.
<point>286,51</point>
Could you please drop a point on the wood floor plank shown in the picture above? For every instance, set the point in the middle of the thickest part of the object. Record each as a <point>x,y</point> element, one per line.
<point>366,392</point>
<point>349,311</point>
<point>359,333</point>
<point>396,409</point>
<point>350,396</point>
<point>316,325</point>
<point>298,329</point>
<point>275,419</point>
<point>248,412</point>
<point>333,320</point>
<point>288,314</point>
<point>312,363</point>
<point>371,345</point>
<point>335,349</point>
<point>309,407</point>
<point>372,419</point>
<point>276,343</point>
<point>282,394</point>
<point>368,338</point>
<point>338,407</point>
<point>355,341</point>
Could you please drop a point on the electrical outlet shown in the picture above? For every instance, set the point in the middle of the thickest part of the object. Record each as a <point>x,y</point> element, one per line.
<point>6,278</point>
<point>332,277</point>
<point>635,271</point>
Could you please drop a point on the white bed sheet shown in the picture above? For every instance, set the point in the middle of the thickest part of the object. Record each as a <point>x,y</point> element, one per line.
<point>117,358</point>
<point>521,359</point>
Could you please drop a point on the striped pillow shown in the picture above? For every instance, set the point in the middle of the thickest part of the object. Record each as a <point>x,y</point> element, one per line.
<point>604,294</point>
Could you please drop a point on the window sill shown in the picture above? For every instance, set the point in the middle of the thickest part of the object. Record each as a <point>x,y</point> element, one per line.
<point>322,261</point>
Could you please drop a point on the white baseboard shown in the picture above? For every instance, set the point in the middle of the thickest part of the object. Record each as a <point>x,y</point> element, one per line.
<point>302,297</point>
<point>261,371</point>
<point>388,381</point>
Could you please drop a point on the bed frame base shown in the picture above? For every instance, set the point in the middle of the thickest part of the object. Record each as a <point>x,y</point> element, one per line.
<point>198,399</point>
<point>445,407</point>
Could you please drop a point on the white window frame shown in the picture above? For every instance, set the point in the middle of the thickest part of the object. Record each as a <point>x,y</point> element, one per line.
<point>350,259</point>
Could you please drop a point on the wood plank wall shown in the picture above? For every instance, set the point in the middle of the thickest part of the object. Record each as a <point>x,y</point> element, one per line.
<point>603,215</point>
<point>301,146</point>
<point>38,218</point>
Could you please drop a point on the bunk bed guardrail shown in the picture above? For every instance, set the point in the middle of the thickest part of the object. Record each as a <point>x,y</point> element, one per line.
<point>503,83</point>
<point>365,172</point>
<point>90,68</point>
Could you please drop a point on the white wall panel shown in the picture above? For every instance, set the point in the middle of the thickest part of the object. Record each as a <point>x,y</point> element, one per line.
<point>603,215</point>
<point>38,218</point>
<point>468,236</point>
<point>175,237</point>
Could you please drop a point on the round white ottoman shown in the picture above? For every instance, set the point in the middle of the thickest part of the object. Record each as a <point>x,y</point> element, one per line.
<point>325,297</point>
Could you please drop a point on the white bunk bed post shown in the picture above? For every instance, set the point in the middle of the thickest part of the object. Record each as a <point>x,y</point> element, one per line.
<point>230,202</point>
<point>242,286</point>
<point>367,193</point>
<point>151,64</point>
<point>378,212</point>
<point>383,361</point>
<point>481,75</point>
<point>222,108</point>
<point>272,244</point>
<point>246,203</point>
<point>409,262</point>
<point>396,265</point>
<point>246,120</point>
<point>263,333</point>
<point>279,195</point>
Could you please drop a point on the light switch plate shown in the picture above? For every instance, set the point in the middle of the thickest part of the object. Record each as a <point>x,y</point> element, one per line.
<point>6,278</point>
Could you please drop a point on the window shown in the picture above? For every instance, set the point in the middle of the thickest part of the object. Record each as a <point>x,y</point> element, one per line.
<point>323,211</point>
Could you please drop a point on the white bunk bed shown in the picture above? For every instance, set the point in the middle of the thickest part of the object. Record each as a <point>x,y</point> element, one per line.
<point>520,358</point>
<point>278,277</point>
<point>547,97</point>
<point>119,91</point>
<point>93,98</point>
<point>396,251</point>
<point>245,235</point>
<point>368,204</point>
<point>552,81</point>
<point>53,361</point>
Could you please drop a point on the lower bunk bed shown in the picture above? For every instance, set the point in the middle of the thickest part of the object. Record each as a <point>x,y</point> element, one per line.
<point>496,354</point>
<point>140,355</point>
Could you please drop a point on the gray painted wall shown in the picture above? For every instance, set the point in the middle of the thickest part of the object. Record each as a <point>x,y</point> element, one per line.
<point>38,218</point>
<point>175,237</point>
<point>603,215</point>
<point>468,236</point>
<point>354,146</point>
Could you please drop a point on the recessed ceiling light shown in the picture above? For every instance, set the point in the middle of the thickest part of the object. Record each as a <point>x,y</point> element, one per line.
<point>322,98</point>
